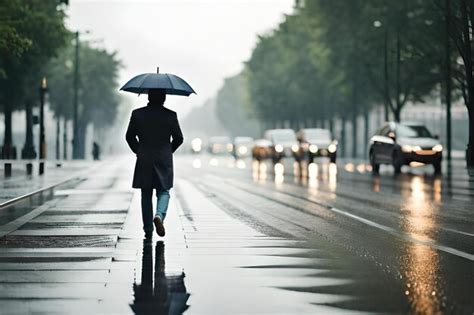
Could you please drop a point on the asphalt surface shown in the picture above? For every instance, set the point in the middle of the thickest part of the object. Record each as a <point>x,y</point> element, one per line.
<point>404,243</point>
<point>244,238</point>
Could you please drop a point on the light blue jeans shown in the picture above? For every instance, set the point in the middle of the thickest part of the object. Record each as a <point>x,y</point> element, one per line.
<point>162,201</point>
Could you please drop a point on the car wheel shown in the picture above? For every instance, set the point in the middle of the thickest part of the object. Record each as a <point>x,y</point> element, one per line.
<point>397,162</point>
<point>375,166</point>
<point>437,167</point>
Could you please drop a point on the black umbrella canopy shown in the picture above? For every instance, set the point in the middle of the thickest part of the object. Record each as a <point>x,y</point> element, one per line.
<point>170,83</point>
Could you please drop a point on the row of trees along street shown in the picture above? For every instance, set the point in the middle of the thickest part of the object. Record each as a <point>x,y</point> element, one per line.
<point>339,59</point>
<point>35,44</point>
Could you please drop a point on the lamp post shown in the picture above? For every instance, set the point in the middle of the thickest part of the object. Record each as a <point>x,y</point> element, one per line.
<point>28,151</point>
<point>448,81</point>
<point>378,24</point>
<point>42,140</point>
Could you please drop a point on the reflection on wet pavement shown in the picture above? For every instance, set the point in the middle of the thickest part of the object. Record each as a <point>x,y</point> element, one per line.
<point>420,263</point>
<point>416,228</point>
<point>158,293</point>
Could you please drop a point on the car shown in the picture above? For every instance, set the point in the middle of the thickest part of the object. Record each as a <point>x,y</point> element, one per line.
<point>220,145</point>
<point>242,147</point>
<point>317,142</point>
<point>400,144</point>
<point>283,144</point>
<point>262,150</point>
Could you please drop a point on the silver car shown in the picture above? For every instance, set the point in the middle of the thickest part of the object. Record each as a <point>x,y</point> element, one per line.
<point>400,144</point>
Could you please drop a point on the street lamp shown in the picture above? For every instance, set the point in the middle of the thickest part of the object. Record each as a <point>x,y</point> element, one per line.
<point>42,140</point>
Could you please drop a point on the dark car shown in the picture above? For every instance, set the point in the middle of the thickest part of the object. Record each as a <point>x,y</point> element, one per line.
<point>316,142</point>
<point>400,144</point>
<point>262,150</point>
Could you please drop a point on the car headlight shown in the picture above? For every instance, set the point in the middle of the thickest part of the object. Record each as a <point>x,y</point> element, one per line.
<point>295,148</point>
<point>407,148</point>
<point>332,148</point>
<point>243,150</point>
<point>438,148</point>
<point>279,148</point>
<point>229,147</point>
<point>196,144</point>
<point>313,148</point>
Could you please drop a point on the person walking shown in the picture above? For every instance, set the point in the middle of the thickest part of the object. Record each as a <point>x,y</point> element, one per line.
<point>149,135</point>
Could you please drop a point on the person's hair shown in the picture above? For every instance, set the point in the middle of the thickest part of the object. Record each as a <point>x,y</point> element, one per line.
<point>156,96</point>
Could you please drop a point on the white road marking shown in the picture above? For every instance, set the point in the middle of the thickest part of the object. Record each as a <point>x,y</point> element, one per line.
<point>410,238</point>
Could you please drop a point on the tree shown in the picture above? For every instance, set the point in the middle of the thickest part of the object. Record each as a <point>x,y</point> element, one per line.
<point>99,98</point>
<point>38,27</point>
<point>232,110</point>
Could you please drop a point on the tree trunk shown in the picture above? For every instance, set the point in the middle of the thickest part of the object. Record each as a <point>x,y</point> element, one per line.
<point>366,131</point>
<point>81,141</point>
<point>469,80</point>
<point>65,144</point>
<point>58,136</point>
<point>386,78</point>
<point>398,78</point>
<point>8,150</point>
<point>470,146</point>
<point>354,133</point>
<point>331,126</point>
<point>396,114</point>
<point>343,136</point>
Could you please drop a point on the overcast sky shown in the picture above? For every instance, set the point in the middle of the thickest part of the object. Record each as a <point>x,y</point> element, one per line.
<point>203,41</point>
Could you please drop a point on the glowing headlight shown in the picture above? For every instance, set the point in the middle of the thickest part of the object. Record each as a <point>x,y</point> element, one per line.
<point>279,148</point>
<point>196,144</point>
<point>438,148</point>
<point>229,147</point>
<point>313,148</point>
<point>295,148</point>
<point>409,148</point>
<point>243,150</point>
<point>332,148</point>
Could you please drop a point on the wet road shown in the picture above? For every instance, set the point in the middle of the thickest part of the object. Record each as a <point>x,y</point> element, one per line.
<point>401,243</point>
<point>243,239</point>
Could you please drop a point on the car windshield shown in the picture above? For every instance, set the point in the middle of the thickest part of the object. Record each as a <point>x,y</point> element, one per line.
<point>405,131</point>
<point>284,136</point>
<point>318,134</point>
<point>243,140</point>
<point>222,140</point>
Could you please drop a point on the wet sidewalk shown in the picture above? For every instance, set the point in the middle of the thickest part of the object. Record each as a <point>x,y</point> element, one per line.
<point>83,252</point>
<point>21,183</point>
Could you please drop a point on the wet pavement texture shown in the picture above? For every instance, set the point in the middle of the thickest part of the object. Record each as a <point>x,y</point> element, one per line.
<point>20,183</point>
<point>243,239</point>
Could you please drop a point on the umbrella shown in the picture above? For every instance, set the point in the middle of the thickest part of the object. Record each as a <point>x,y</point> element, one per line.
<point>170,83</point>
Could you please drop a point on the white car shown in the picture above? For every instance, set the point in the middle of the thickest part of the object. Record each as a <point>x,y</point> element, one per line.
<point>242,147</point>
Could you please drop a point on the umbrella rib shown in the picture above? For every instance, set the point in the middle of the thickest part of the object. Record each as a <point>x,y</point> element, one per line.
<point>171,83</point>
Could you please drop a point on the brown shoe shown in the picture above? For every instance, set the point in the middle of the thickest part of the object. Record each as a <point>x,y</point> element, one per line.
<point>160,229</point>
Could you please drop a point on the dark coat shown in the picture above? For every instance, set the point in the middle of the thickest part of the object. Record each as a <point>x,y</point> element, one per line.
<point>154,126</point>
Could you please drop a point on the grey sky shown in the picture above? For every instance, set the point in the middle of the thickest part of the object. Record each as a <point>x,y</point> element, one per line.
<point>202,41</point>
